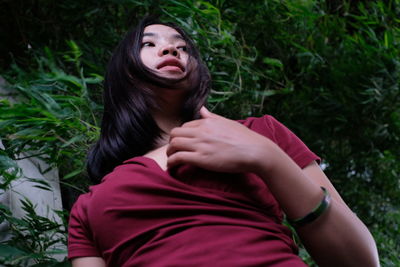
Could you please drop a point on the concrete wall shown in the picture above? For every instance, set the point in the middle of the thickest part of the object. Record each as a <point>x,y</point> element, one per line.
<point>45,201</point>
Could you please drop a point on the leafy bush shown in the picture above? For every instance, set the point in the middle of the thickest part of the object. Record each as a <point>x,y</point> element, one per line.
<point>330,70</point>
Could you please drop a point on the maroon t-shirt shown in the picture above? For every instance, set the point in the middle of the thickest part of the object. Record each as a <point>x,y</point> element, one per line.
<point>140,215</point>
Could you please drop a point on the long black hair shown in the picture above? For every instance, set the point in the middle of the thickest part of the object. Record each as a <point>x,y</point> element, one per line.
<point>128,128</point>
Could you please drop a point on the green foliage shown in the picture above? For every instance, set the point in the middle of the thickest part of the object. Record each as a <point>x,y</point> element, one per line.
<point>330,70</point>
<point>34,239</point>
<point>9,170</point>
<point>54,118</point>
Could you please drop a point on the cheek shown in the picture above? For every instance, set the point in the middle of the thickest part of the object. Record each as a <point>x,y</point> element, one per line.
<point>146,58</point>
<point>191,64</point>
<point>185,60</point>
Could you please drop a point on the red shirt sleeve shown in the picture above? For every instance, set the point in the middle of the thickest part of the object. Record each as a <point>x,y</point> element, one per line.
<point>80,241</point>
<point>283,137</point>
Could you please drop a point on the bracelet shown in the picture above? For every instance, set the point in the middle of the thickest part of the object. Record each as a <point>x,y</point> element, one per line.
<point>315,213</point>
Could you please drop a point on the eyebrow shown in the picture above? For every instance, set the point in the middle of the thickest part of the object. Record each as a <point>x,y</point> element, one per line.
<point>175,36</point>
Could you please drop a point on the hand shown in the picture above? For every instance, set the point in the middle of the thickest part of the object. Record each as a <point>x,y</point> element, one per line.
<point>218,144</point>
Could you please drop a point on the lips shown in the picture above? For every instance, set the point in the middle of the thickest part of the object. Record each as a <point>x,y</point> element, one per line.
<point>171,64</point>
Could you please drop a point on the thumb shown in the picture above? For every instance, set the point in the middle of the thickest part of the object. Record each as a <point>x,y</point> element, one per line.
<point>205,113</point>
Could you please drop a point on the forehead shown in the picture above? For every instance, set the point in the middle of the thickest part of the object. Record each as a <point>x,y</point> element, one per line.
<point>161,30</point>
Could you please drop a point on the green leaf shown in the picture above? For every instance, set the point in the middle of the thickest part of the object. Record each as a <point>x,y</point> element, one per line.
<point>72,174</point>
<point>273,62</point>
<point>7,251</point>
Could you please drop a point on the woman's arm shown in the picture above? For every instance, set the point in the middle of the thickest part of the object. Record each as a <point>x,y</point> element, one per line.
<point>336,238</point>
<point>341,227</point>
<point>88,262</point>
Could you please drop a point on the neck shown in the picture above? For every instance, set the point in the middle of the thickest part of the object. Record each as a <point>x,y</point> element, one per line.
<point>168,114</point>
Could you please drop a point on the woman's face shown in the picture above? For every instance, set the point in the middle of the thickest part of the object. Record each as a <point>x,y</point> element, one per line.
<point>164,52</point>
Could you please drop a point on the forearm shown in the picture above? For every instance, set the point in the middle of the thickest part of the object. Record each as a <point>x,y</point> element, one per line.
<point>338,237</point>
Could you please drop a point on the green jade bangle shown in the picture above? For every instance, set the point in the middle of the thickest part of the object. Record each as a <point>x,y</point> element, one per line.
<point>315,213</point>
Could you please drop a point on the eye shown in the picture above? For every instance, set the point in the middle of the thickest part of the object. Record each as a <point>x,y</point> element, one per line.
<point>183,48</point>
<point>150,44</point>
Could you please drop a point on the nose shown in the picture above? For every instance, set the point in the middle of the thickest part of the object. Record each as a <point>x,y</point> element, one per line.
<point>169,50</point>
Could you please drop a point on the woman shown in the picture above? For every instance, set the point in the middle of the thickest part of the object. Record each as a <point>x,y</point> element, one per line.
<point>183,186</point>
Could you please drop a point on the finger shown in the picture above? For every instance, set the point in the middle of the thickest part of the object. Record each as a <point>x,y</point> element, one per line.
<point>182,132</point>
<point>205,113</point>
<point>182,157</point>
<point>180,144</point>
<point>193,123</point>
